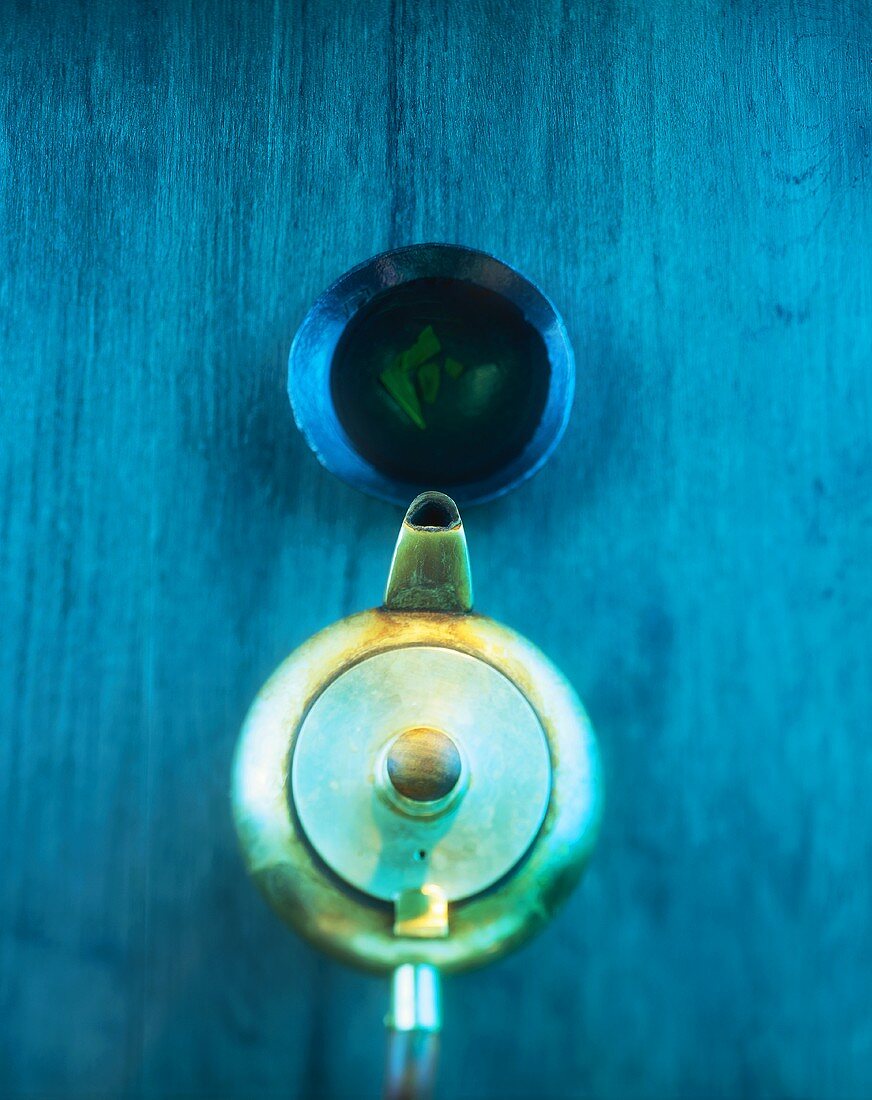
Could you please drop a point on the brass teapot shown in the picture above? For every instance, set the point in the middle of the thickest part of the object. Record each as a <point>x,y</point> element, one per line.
<point>417,788</point>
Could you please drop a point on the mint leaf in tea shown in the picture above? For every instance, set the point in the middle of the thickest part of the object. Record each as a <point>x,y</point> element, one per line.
<point>439,382</point>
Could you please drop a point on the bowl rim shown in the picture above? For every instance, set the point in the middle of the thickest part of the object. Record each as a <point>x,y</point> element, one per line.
<point>314,345</point>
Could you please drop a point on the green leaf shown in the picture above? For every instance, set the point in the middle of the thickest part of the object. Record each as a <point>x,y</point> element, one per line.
<point>428,380</point>
<point>454,368</point>
<point>402,389</point>
<point>424,348</point>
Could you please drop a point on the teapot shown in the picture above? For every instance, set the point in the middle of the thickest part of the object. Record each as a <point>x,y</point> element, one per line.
<point>417,788</point>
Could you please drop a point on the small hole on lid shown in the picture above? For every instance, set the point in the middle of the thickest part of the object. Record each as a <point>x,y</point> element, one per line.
<point>420,855</point>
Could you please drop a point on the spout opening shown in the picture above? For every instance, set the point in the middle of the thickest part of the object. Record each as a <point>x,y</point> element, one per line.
<point>433,512</point>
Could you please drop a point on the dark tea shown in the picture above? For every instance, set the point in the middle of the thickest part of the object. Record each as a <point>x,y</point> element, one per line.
<point>440,382</point>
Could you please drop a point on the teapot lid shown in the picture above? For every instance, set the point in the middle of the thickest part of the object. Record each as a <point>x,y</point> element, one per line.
<point>389,729</point>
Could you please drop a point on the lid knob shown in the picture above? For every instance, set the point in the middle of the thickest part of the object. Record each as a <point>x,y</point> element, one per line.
<point>424,764</point>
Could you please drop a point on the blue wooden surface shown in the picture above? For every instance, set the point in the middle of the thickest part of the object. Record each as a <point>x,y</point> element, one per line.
<point>691,183</point>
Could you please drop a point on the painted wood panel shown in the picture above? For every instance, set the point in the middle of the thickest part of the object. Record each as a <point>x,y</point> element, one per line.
<point>691,184</point>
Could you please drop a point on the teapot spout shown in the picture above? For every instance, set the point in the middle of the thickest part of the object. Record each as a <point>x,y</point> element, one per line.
<point>430,567</point>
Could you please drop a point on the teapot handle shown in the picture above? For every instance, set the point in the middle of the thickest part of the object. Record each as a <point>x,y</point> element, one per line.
<point>413,1024</point>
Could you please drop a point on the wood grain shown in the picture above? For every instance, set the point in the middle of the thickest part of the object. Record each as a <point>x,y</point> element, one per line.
<point>691,184</point>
